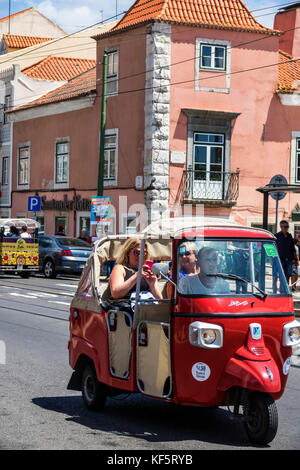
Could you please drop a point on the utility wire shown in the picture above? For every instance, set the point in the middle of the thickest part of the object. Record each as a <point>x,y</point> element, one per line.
<point>110,19</point>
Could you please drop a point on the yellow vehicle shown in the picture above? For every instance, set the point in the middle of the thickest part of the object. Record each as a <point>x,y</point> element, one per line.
<point>19,249</point>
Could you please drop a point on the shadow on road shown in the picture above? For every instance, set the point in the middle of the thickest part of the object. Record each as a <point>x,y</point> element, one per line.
<point>152,420</point>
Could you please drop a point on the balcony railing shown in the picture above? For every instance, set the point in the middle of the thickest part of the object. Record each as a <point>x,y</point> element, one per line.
<point>214,186</point>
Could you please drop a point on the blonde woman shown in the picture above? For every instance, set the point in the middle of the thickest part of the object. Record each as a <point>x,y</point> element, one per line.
<point>123,278</point>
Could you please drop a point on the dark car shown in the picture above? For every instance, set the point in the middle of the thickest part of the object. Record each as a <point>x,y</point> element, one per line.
<point>59,254</point>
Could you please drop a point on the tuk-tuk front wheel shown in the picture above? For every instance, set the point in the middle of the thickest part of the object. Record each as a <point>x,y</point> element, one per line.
<point>93,392</point>
<point>261,421</point>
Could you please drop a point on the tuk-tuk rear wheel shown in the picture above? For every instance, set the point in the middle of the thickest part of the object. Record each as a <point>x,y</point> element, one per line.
<point>93,392</point>
<point>261,418</point>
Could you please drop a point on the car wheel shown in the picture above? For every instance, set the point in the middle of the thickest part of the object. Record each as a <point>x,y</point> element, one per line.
<point>93,392</point>
<point>49,269</point>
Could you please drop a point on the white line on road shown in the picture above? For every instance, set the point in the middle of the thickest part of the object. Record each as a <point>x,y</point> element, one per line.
<point>58,302</point>
<point>67,285</point>
<point>22,295</point>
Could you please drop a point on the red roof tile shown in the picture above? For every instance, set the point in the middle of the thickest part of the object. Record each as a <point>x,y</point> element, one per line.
<point>223,14</point>
<point>20,42</point>
<point>79,86</point>
<point>58,68</point>
<point>288,73</point>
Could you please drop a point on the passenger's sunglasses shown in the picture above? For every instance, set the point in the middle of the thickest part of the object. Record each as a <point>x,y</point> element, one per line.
<point>186,253</point>
<point>285,226</point>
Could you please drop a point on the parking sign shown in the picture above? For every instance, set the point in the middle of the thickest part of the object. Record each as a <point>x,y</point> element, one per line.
<point>34,203</point>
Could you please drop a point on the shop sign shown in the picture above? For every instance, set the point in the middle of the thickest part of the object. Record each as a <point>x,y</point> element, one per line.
<point>74,204</point>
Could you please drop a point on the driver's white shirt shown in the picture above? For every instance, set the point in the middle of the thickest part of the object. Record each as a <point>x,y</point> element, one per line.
<point>193,285</point>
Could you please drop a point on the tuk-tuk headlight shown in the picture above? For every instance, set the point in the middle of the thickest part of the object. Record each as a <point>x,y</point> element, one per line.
<point>291,333</point>
<point>205,335</point>
<point>209,336</point>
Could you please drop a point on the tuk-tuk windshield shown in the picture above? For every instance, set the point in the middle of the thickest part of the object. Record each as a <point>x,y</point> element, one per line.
<point>220,267</point>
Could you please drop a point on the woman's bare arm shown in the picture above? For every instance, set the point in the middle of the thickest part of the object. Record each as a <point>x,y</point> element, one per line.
<point>118,287</point>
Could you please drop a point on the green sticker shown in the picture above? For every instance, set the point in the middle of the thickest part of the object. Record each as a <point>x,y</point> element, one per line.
<point>270,250</point>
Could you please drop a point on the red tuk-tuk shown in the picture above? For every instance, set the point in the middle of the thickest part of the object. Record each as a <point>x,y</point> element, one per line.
<point>227,341</point>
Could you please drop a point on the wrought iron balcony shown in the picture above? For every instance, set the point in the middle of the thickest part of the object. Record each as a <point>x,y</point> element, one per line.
<point>211,186</point>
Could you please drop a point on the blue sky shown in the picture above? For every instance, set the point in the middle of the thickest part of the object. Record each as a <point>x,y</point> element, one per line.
<point>73,15</point>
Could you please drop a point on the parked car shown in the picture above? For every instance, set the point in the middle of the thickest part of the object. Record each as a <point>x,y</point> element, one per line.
<point>59,254</point>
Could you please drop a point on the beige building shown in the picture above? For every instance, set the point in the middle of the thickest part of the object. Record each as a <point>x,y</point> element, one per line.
<point>21,83</point>
<point>30,22</point>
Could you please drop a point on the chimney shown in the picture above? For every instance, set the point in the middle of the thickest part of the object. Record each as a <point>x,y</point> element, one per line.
<point>288,19</point>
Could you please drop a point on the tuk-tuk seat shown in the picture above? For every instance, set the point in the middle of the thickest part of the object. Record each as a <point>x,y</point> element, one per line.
<point>157,312</point>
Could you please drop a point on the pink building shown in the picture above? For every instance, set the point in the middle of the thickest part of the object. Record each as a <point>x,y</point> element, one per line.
<point>203,108</point>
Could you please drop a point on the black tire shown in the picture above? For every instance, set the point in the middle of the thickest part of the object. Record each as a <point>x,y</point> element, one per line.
<point>262,426</point>
<point>25,275</point>
<point>49,269</point>
<point>93,392</point>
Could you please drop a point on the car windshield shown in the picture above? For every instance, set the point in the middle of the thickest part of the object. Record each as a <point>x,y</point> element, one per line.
<point>65,241</point>
<point>220,267</point>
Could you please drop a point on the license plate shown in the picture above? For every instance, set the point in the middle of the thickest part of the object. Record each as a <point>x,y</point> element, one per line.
<point>80,266</point>
<point>19,266</point>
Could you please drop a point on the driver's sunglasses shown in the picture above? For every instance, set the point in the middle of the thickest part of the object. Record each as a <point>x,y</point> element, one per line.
<point>138,252</point>
<point>186,253</point>
<point>285,226</point>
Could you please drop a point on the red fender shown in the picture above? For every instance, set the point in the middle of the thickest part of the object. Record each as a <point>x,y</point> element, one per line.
<point>262,376</point>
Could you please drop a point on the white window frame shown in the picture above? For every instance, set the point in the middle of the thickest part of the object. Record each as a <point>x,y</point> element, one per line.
<point>61,184</point>
<point>124,220</point>
<point>4,171</point>
<point>297,162</point>
<point>199,70</point>
<point>79,215</point>
<point>209,145</point>
<point>26,182</point>
<point>212,65</point>
<point>112,181</point>
<point>293,157</point>
<point>112,77</point>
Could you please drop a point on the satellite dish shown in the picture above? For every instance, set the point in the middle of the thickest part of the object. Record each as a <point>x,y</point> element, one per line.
<point>278,180</point>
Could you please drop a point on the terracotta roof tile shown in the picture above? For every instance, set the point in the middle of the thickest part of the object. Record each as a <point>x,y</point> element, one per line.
<point>224,14</point>
<point>58,68</point>
<point>20,42</point>
<point>82,85</point>
<point>288,73</point>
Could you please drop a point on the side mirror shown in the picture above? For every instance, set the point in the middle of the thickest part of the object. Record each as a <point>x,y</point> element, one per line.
<point>161,268</point>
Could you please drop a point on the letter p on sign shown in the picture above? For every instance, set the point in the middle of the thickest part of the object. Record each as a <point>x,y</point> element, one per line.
<point>34,203</point>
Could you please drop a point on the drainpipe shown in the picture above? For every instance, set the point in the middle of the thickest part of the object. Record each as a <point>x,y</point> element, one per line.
<point>102,129</point>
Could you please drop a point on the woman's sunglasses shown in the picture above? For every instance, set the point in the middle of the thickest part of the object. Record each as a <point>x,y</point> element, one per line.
<point>137,252</point>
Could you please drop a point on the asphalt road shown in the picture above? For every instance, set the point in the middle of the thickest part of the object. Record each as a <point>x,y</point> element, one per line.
<point>38,412</point>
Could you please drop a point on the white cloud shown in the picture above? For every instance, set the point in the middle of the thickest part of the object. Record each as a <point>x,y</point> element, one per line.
<point>72,16</point>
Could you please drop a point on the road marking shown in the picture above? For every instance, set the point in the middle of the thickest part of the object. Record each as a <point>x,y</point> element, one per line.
<point>22,295</point>
<point>67,285</point>
<point>42,294</point>
<point>57,302</point>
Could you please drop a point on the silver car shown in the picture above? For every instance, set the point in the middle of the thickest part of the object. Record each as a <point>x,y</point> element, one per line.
<point>60,254</point>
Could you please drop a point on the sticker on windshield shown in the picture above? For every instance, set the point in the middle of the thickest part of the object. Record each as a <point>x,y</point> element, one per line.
<point>270,250</point>
<point>200,371</point>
